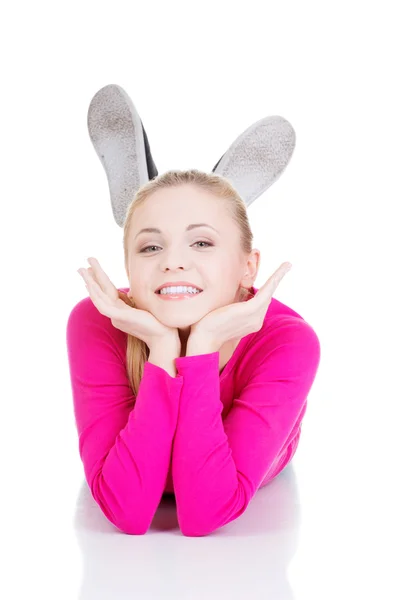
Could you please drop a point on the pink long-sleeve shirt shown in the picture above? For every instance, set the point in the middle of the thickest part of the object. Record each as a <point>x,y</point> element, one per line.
<point>210,438</point>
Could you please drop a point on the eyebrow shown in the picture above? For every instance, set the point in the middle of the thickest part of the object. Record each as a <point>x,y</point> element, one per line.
<point>188,228</point>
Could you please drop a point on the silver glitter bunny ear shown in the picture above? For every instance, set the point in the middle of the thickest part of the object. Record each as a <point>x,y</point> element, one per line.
<point>258,157</point>
<point>121,143</point>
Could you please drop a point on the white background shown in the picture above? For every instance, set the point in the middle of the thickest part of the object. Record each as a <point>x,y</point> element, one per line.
<point>199,74</point>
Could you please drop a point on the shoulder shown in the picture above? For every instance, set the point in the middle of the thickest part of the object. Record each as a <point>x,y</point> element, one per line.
<point>86,326</point>
<point>86,312</point>
<point>282,320</point>
<point>282,324</point>
<point>290,334</point>
<point>85,315</point>
<point>286,343</point>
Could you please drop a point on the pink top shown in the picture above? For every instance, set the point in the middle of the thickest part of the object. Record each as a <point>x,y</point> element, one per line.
<point>210,438</point>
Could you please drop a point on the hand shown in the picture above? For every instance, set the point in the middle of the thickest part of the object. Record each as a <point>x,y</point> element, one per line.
<point>108,301</point>
<point>241,318</point>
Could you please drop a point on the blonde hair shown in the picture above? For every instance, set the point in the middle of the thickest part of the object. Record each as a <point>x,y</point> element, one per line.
<point>137,351</point>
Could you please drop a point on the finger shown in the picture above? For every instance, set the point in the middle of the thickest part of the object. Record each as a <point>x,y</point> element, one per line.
<point>103,280</point>
<point>99,298</point>
<point>96,294</point>
<point>269,288</point>
<point>88,278</point>
<point>94,289</point>
<point>279,275</point>
<point>93,277</point>
<point>282,270</point>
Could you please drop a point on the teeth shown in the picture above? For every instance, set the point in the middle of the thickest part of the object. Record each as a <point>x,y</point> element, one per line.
<point>179,290</point>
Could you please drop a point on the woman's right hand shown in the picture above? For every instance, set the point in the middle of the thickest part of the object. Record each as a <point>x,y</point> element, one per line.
<point>134,321</point>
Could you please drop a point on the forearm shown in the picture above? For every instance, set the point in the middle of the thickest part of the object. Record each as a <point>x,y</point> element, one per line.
<point>200,451</point>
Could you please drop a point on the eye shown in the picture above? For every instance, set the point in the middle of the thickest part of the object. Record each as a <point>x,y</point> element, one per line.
<point>147,247</point>
<point>144,249</point>
<point>203,242</point>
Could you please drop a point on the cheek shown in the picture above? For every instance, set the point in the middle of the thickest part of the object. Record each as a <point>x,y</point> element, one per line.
<point>229,275</point>
<point>139,289</point>
<point>138,279</point>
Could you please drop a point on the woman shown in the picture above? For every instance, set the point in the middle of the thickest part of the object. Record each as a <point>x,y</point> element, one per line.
<point>199,395</point>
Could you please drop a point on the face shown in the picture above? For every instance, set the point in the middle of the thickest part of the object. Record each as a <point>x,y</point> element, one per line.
<point>208,257</point>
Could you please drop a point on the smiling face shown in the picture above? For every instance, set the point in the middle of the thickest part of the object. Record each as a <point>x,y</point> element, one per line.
<point>208,257</point>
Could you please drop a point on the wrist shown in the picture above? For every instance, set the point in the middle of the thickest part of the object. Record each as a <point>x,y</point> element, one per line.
<point>163,354</point>
<point>200,344</point>
<point>170,344</point>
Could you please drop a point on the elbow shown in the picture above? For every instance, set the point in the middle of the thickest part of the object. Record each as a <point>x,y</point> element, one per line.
<point>191,527</point>
<point>193,533</point>
<point>137,525</point>
<point>132,528</point>
<point>137,522</point>
<point>131,525</point>
<point>193,530</point>
<point>196,523</point>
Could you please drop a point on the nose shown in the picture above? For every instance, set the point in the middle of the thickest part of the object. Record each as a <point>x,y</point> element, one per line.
<point>173,261</point>
<point>169,267</point>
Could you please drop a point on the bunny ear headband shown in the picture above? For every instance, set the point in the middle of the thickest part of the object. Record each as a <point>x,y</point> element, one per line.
<point>254,161</point>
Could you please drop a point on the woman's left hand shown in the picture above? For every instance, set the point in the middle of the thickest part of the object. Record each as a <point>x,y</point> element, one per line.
<point>241,318</point>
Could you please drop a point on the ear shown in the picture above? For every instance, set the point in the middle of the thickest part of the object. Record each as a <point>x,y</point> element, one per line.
<point>251,269</point>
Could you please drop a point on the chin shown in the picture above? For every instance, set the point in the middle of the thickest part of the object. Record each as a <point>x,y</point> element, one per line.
<point>181,324</point>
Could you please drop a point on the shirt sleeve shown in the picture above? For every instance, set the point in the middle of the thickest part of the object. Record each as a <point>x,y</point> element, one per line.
<point>217,466</point>
<point>125,443</point>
